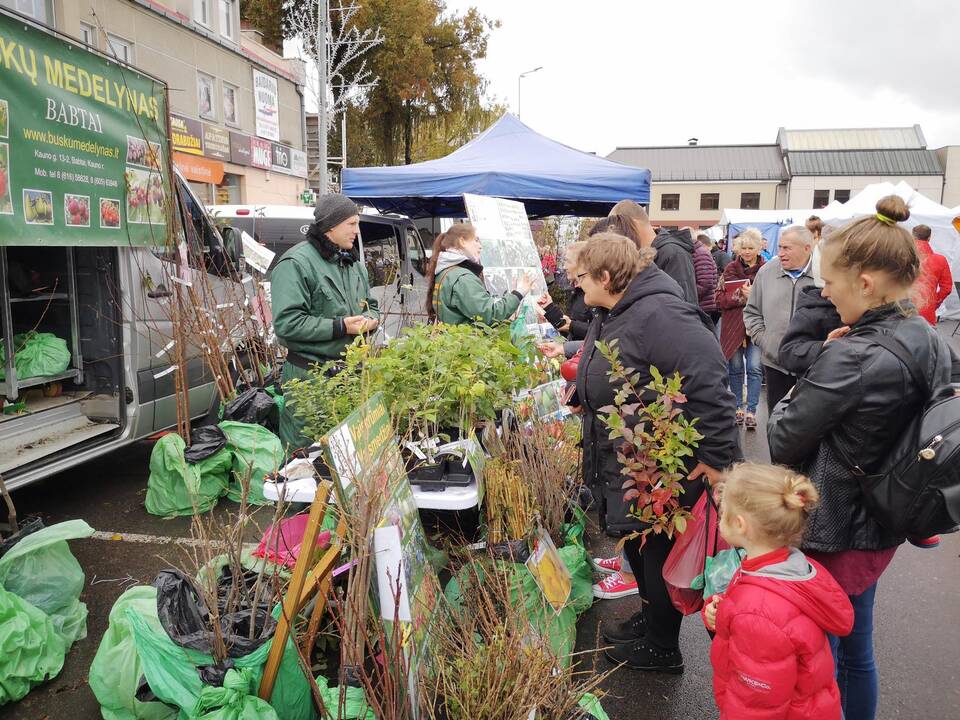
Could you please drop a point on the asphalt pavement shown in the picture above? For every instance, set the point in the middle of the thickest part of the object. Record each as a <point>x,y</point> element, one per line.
<point>917,615</point>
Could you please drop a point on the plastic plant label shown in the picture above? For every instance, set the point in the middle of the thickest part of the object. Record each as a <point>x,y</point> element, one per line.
<point>548,570</point>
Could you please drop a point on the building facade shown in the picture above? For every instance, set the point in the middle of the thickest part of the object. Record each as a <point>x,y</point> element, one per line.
<point>236,106</point>
<point>828,165</point>
<point>692,184</point>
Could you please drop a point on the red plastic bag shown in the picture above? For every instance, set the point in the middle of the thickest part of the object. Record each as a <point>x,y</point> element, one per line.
<point>688,556</point>
<point>283,546</point>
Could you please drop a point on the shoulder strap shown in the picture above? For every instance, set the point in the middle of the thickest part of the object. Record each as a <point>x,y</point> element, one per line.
<point>436,291</point>
<point>891,344</point>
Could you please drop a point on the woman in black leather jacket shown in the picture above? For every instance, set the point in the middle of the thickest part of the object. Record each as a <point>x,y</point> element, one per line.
<point>643,309</point>
<point>846,412</point>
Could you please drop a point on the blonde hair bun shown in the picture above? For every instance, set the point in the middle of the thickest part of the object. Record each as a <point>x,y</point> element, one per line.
<point>777,499</point>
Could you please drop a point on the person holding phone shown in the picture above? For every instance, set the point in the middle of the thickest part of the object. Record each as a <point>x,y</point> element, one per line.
<point>743,357</point>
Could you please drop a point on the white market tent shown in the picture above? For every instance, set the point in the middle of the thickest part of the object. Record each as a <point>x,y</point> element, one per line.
<point>944,238</point>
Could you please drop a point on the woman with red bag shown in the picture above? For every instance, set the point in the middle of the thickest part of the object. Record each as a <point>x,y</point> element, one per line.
<point>643,309</point>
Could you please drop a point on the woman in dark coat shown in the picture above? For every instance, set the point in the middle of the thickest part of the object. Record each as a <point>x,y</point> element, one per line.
<point>743,357</point>
<point>643,308</point>
<point>843,417</point>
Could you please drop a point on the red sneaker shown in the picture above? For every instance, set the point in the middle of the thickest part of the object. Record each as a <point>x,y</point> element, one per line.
<point>607,566</point>
<point>614,586</point>
<point>925,543</point>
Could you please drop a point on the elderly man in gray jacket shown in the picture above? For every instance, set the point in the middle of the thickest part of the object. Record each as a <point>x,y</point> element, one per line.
<point>771,302</point>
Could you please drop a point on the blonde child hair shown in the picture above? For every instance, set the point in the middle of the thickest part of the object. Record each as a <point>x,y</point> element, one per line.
<point>778,500</point>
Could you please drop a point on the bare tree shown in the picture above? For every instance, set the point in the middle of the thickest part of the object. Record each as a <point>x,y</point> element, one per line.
<point>336,50</point>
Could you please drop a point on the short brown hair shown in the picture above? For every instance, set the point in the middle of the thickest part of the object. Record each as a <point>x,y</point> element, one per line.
<point>618,225</point>
<point>613,253</point>
<point>877,242</point>
<point>815,225</point>
<point>778,500</point>
<point>921,232</point>
<point>632,210</point>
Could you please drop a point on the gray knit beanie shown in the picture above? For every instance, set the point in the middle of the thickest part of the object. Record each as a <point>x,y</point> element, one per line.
<point>332,210</point>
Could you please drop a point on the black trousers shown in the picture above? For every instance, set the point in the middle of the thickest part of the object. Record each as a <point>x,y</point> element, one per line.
<point>778,385</point>
<point>663,619</point>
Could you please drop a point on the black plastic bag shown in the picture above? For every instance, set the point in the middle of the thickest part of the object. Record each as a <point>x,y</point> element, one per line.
<point>254,406</point>
<point>185,617</point>
<point>204,442</point>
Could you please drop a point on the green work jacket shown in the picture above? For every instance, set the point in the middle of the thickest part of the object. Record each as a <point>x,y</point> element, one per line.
<point>462,298</point>
<point>310,296</point>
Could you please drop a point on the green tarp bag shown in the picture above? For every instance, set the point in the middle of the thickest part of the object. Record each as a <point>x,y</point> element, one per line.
<point>257,452</point>
<point>38,354</point>
<point>41,569</point>
<point>355,705</point>
<point>235,700</point>
<point>31,650</point>
<point>175,487</point>
<point>116,670</point>
<point>171,673</point>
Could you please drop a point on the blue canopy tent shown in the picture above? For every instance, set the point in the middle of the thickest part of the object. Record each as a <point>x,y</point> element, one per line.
<point>508,160</point>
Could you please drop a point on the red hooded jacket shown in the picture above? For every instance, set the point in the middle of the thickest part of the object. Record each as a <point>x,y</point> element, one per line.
<point>771,657</point>
<point>934,284</point>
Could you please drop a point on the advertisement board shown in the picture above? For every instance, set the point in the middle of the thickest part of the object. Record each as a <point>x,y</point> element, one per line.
<point>84,155</point>
<point>266,103</point>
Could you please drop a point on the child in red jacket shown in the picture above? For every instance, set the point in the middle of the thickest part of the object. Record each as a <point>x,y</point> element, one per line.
<point>771,657</point>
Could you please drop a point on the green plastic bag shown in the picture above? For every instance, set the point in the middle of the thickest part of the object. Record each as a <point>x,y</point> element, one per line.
<point>171,672</point>
<point>40,354</point>
<point>354,703</point>
<point>591,703</point>
<point>257,452</point>
<point>718,571</point>
<point>31,650</point>
<point>41,569</point>
<point>175,487</point>
<point>235,700</point>
<point>116,669</point>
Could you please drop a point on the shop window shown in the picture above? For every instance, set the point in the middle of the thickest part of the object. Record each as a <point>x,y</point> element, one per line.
<point>205,96</point>
<point>202,191</point>
<point>821,198</point>
<point>231,111</point>
<point>749,201</point>
<point>841,195</point>
<point>709,201</point>
<point>228,192</point>
<point>670,201</point>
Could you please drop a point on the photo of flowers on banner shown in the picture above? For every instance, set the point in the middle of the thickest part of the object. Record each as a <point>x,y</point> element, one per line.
<point>144,196</point>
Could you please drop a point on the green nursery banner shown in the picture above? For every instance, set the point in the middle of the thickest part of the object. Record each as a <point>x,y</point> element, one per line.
<point>83,145</point>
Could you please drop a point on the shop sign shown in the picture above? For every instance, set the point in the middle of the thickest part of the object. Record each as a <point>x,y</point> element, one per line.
<point>298,163</point>
<point>199,169</point>
<point>281,158</point>
<point>186,134</point>
<point>216,142</point>
<point>240,149</point>
<point>261,153</point>
<point>83,145</point>
<point>266,102</point>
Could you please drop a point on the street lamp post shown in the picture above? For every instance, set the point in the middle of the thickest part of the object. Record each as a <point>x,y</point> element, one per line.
<point>520,77</point>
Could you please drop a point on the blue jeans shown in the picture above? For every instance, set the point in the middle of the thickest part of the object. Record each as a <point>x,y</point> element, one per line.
<point>751,356</point>
<point>853,655</point>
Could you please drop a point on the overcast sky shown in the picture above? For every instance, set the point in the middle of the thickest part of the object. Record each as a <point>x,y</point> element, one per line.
<point>633,72</point>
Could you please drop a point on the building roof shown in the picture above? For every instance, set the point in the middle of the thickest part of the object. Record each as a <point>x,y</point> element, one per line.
<point>685,163</point>
<point>894,138</point>
<point>865,162</point>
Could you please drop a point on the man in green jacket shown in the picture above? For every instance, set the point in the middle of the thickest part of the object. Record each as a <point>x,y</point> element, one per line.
<point>321,299</point>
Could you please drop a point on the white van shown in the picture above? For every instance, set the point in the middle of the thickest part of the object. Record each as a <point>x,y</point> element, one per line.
<point>390,245</point>
<point>110,305</point>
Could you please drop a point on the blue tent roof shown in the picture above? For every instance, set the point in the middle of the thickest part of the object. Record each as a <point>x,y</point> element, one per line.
<point>507,160</point>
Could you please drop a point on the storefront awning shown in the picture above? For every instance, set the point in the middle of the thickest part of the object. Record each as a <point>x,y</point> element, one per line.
<point>199,169</point>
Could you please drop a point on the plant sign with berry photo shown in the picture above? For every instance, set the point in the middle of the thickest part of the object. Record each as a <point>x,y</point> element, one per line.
<point>76,210</point>
<point>657,439</point>
<point>109,213</point>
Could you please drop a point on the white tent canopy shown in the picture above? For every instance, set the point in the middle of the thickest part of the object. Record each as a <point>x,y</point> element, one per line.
<point>944,237</point>
<point>733,216</point>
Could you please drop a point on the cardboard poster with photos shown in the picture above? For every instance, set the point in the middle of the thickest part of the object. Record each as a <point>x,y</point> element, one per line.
<point>508,246</point>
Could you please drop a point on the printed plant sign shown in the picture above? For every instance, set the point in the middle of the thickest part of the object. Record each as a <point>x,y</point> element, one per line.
<point>79,136</point>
